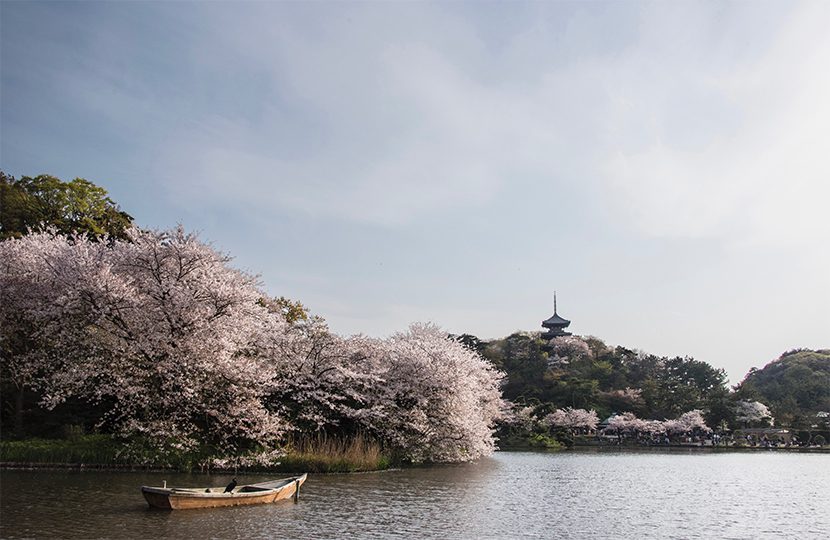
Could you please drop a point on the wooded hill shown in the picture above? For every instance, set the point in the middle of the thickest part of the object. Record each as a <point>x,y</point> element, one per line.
<point>585,373</point>
<point>796,386</point>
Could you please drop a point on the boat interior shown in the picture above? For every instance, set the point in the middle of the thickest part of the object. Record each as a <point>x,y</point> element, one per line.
<point>240,489</point>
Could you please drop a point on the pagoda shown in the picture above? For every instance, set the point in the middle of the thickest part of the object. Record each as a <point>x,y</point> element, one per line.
<point>555,326</point>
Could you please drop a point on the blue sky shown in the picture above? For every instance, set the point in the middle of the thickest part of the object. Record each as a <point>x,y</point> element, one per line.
<point>662,165</point>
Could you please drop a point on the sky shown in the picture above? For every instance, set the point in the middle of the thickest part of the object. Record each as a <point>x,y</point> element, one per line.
<point>663,166</point>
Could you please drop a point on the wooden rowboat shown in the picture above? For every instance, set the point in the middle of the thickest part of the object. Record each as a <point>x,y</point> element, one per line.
<point>212,497</point>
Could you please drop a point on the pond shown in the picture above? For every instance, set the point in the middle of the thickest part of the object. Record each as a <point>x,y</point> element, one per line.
<point>579,494</point>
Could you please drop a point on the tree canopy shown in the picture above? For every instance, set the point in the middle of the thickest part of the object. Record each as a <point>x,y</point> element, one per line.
<point>77,206</point>
<point>796,386</point>
<point>586,373</point>
<point>187,352</point>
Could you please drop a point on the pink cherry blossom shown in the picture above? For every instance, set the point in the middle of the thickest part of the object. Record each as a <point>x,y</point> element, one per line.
<point>190,352</point>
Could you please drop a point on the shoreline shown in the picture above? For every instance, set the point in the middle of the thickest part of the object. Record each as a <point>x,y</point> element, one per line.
<point>103,452</point>
<point>99,467</point>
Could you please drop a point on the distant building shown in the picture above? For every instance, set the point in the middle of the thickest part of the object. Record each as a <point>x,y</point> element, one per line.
<point>555,326</point>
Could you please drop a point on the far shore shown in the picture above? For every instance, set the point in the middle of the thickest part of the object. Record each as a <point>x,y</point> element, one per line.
<point>14,465</point>
<point>695,447</point>
<point>672,447</point>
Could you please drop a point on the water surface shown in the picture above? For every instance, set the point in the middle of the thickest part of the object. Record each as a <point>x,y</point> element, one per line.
<point>609,494</point>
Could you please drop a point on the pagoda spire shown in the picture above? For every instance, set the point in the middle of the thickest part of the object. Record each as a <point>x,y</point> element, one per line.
<point>555,326</point>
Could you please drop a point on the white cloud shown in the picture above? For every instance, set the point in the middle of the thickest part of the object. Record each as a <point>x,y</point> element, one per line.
<point>761,176</point>
<point>702,127</point>
<point>690,134</point>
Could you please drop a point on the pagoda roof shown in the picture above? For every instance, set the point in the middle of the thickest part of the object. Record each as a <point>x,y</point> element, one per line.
<point>556,320</point>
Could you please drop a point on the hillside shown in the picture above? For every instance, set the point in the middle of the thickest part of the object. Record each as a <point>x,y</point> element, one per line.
<point>586,373</point>
<point>795,386</point>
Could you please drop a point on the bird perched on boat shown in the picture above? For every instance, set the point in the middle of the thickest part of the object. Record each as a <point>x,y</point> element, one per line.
<point>230,486</point>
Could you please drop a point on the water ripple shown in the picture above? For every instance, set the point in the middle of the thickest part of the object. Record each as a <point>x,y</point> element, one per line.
<point>579,495</point>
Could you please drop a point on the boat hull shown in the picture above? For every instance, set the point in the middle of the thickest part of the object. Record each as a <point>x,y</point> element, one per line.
<point>190,498</point>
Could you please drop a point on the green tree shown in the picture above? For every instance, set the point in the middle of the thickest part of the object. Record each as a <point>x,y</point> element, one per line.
<point>293,310</point>
<point>719,408</point>
<point>683,384</point>
<point>795,386</point>
<point>471,342</point>
<point>77,206</point>
<point>520,355</point>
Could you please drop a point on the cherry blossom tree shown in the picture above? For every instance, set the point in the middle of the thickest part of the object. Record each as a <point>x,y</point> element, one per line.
<point>190,353</point>
<point>688,422</point>
<point>162,326</point>
<point>25,318</point>
<point>568,349</point>
<point>522,418</point>
<point>627,399</point>
<point>652,427</point>
<point>440,400</point>
<point>324,382</point>
<point>573,419</point>
<point>752,412</point>
<point>626,422</point>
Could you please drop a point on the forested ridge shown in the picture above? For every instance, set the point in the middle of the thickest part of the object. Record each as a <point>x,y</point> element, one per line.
<point>796,386</point>
<point>585,374</point>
